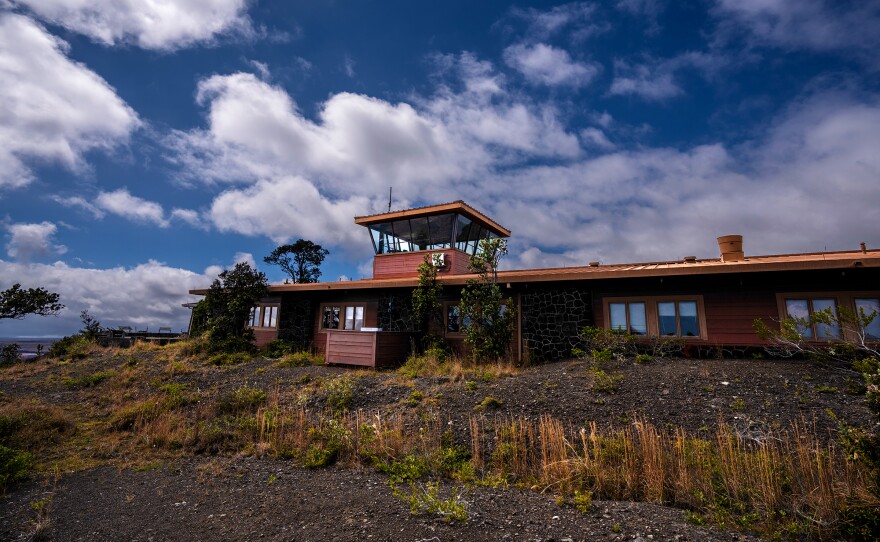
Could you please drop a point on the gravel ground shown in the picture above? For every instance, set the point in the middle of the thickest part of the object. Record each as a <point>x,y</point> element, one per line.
<point>244,498</point>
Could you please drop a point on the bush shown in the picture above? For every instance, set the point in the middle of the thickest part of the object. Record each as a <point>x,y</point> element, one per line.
<point>227,358</point>
<point>72,347</point>
<point>340,394</point>
<point>14,466</point>
<point>605,344</point>
<point>10,354</point>
<point>300,359</point>
<point>242,399</point>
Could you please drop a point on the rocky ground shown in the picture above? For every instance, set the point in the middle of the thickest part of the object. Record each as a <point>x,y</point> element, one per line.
<point>237,497</point>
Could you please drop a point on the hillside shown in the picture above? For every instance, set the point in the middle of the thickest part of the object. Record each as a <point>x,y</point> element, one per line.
<point>160,443</point>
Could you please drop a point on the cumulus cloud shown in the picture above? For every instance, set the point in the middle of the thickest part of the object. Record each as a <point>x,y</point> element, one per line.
<point>27,241</point>
<point>51,108</point>
<point>544,64</point>
<point>814,171</point>
<point>818,25</point>
<point>157,24</point>
<point>343,162</point>
<point>146,295</point>
<point>122,203</point>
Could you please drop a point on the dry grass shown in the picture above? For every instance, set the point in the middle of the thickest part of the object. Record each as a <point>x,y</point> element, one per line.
<point>456,367</point>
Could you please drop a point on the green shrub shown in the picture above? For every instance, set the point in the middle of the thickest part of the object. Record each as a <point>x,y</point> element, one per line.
<point>10,354</point>
<point>226,358</point>
<point>280,347</point>
<point>87,381</point>
<point>489,403</point>
<point>644,358</point>
<point>411,467</point>
<point>604,382</point>
<point>583,500</point>
<point>300,359</point>
<point>242,399</point>
<point>72,347</point>
<point>340,393</point>
<point>426,499</point>
<point>605,343</point>
<point>14,466</point>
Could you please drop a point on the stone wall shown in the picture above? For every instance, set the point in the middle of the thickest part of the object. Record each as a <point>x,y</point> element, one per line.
<point>296,321</point>
<point>551,319</point>
<point>395,312</point>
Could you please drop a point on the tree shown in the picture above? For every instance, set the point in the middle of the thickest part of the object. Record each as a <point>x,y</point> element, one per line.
<point>426,296</point>
<point>301,260</point>
<point>491,315</point>
<point>228,304</point>
<point>16,302</point>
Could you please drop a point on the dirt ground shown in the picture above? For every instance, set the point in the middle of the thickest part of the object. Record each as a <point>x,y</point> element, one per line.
<point>246,498</point>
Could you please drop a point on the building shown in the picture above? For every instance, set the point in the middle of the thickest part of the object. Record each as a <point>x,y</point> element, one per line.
<point>709,303</point>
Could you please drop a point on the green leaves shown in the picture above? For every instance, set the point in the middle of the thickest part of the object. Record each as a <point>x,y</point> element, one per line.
<point>16,302</point>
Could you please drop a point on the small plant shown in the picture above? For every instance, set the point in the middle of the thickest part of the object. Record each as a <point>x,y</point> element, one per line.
<point>14,466</point>
<point>489,403</point>
<point>738,404</point>
<point>226,358</point>
<point>644,358</point>
<point>242,399</point>
<point>826,389</point>
<point>605,344</point>
<point>87,381</point>
<point>411,467</point>
<point>299,359</point>
<point>470,385</point>
<point>340,393</point>
<point>583,500</point>
<point>425,499</point>
<point>615,528</point>
<point>415,398</point>
<point>605,382</point>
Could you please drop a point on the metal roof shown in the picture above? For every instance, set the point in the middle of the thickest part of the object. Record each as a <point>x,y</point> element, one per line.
<point>457,206</point>
<point>752,264</point>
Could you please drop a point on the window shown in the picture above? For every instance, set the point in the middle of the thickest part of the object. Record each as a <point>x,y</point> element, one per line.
<point>629,317</point>
<point>678,319</point>
<point>350,316</point>
<point>455,322</point>
<point>868,307</point>
<point>841,304</point>
<point>265,316</point>
<point>805,308</point>
<point>679,316</point>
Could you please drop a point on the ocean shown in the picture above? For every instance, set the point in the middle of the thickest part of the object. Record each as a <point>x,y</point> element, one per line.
<point>28,345</point>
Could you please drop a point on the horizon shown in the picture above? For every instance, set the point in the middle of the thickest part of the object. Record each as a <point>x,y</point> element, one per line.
<point>145,152</point>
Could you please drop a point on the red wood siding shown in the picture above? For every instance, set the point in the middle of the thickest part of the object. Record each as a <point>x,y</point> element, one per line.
<point>263,336</point>
<point>406,264</point>
<point>367,348</point>
<point>729,316</point>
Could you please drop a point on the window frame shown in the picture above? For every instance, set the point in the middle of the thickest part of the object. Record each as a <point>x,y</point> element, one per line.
<point>652,314</point>
<point>843,299</point>
<point>342,306</point>
<point>258,314</point>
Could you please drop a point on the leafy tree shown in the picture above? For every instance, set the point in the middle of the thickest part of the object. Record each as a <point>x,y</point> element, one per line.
<point>491,314</point>
<point>91,327</point>
<point>227,306</point>
<point>16,302</point>
<point>426,296</point>
<point>301,260</point>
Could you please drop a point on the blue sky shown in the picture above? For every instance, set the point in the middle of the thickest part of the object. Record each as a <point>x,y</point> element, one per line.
<point>146,146</point>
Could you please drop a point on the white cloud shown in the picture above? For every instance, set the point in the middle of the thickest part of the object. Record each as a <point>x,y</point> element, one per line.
<point>344,161</point>
<point>655,80</point>
<point>798,188</point>
<point>154,24</point>
<point>27,241</point>
<point>147,295</point>
<point>595,137</point>
<point>576,18</point>
<point>818,25</point>
<point>122,203</point>
<point>290,207</point>
<point>51,108</point>
<point>544,64</point>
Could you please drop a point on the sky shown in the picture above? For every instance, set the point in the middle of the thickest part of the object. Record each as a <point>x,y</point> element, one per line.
<point>146,146</point>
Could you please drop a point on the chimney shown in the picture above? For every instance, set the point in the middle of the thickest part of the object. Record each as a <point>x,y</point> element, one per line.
<point>863,247</point>
<point>690,259</point>
<point>731,247</point>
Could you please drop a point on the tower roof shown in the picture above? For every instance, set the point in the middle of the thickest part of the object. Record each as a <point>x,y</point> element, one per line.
<point>459,207</point>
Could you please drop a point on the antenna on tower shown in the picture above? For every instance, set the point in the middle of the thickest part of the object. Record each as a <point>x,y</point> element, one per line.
<point>390,188</point>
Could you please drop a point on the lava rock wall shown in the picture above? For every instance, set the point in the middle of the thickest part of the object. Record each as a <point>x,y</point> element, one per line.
<point>551,320</point>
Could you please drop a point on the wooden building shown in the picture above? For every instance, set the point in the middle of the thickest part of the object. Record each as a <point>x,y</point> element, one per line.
<point>709,303</point>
